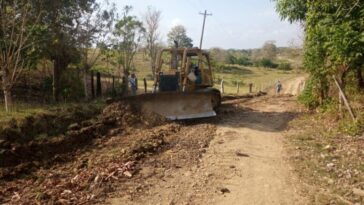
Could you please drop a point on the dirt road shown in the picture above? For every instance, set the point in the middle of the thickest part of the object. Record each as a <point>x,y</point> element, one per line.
<point>291,86</point>
<point>245,162</point>
<point>124,156</point>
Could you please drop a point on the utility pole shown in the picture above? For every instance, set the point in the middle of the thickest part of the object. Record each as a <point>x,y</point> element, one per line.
<point>203,25</point>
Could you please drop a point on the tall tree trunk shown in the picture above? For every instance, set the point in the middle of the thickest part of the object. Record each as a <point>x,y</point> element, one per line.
<point>125,83</point>
<point>113,85</point>
<point>7,91</point>
<point>152,65</point>
<point>57,67</point>
<point>85,87</point>
<point>359,75</point>
<point>98,84</point>
<point>60,63</point>
<point>8,100</point>
<point>92,85</point>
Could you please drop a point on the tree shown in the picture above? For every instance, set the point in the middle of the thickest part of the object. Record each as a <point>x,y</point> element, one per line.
<point>128,34</point>
<point>334,43</point>
<point>152,19</point>
<point>269,50</point>
<point>93,30</point>
<point>178,34</point>
<point>18,27</point>
<point>62,17</point>
<point>219,55</point>
<point>292,10</point>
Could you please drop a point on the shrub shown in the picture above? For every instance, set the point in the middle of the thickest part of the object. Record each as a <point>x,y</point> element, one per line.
<point>308,98</point>
<point>245,61</point>
<point>266,63</point>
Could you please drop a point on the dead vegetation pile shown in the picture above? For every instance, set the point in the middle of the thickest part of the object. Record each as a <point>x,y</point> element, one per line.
<point>331,162</point>
<point>63,170</point>
<point>183,146</point>
<point>127,163</point>
<point>33,142</point>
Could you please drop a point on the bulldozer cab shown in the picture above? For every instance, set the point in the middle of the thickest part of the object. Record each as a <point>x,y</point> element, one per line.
<point>182,69</point>
<point>182,86</point>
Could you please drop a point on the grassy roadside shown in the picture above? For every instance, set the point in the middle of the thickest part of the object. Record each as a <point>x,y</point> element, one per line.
<point>328,161</point>
<point>22,110</point>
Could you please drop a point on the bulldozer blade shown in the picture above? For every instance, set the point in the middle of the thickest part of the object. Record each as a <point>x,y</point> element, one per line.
<point>177,106</point>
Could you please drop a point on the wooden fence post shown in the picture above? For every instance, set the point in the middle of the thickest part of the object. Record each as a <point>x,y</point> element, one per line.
<point>250,87</point>
<point>222,87</point>
<point>92,85</point>
<point>145,85</point>
<point>341,93</point>
<point>98,84</point>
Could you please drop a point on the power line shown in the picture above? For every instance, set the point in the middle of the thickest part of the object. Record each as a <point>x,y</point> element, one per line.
<point>203,25</point>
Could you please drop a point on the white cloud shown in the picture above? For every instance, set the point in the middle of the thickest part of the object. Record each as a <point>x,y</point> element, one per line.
<point>176,21</point>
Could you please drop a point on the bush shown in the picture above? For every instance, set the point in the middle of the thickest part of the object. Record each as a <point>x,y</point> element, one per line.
<point>308,98</point>
<point>266,63</point>
<point>245,61</point>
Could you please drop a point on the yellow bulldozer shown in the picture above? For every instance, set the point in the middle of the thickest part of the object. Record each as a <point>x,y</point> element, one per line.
<point>183,85</point>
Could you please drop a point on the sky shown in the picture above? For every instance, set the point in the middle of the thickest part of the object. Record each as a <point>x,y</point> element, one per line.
<point>238,24</point>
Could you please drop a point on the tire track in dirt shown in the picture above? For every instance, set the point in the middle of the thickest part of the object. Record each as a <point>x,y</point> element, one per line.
<point>247,156</point>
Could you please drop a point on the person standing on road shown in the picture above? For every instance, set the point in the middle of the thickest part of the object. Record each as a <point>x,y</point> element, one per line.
<point>278,87</point>
<point>133,81</point>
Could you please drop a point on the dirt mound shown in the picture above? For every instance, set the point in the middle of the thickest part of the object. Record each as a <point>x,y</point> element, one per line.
<point>129,151</point>
<point>98,156</point>
<point>89,177</point>
<point>130,115</point>
<point>18,156</point>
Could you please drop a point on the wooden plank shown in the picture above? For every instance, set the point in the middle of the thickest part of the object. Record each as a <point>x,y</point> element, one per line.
<point>345,99</point>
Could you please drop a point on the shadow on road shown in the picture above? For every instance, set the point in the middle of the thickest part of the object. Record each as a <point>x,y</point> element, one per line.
<point>232,115</point>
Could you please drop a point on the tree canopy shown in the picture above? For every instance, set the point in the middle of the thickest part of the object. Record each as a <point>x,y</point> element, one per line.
<point>179,34</point>
<point>334,40</point>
